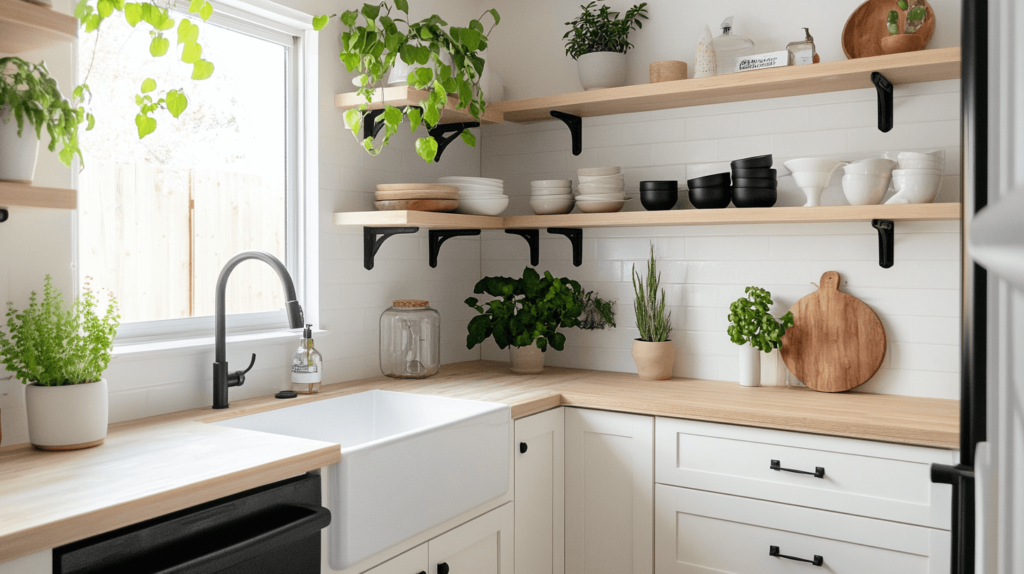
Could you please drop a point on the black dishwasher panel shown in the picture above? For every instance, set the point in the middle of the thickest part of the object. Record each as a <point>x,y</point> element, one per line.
<point>274,529</point>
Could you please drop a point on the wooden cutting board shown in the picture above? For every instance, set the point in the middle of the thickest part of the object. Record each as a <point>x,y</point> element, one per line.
<point>416,187</point>
<point>418,205</point>
<point>863,33</point>
<point>836,342</point>
<point>397,195</point>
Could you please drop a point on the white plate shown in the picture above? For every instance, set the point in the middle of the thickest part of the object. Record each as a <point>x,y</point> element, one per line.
<point>473,180</point>
<point>479,188</point>
<point>551,183</point>
<point>600,206</point>
<point>591,171</point>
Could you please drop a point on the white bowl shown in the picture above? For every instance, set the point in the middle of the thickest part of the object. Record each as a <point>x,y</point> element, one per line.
<point>602,187</point>
<point>814,164</point>
<point>464,187</point>
<point>592,171</point>
<point>876,167</point>
<point>593,178</point>
<point>865,189</point>
<point>606,206</point>
<point>474,180</point>
<point>482,205</point>
<point>915,186</point>
<point>934,165</point>
<point>551,183</point>
<point>552,205</point>
<point>547,191</point>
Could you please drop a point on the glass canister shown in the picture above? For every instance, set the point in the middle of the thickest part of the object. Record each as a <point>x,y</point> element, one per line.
<point>410,340</point>
<point>730,47</point>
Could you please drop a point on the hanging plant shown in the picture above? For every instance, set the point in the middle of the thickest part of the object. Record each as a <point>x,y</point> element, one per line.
<point>373,43</point>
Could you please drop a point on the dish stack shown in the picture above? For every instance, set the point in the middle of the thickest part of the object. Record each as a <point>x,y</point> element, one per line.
<point>479,195</point>
<point>754,183</point>
<point>552,196</point>
<point>918,178</point>
<point>866,181</point>
<point>711,191</point>
<point>601,190</point>
<point>416,197</point>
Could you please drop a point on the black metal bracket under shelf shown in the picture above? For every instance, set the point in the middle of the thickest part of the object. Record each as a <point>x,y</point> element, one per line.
<point>455,130</point>
<point>372,243</point>
<point>885,90</point>
<point>371,127</point>
<point>886,241</point>
<point>575,236</point>
<point>4,215</point>
<point>532,236</point>
<point>438,236</point>
<point>575,125</point>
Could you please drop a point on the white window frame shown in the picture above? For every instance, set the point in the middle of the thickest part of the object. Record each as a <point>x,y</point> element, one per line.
<point>288,27</point>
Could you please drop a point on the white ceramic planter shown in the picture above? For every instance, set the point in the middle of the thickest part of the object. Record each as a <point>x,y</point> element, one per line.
<point>602,70</point>
<point>750,366</point>
<point>527,360</point>
<point>17,154</point>
<point>654,361</point>
<point>68,417</point>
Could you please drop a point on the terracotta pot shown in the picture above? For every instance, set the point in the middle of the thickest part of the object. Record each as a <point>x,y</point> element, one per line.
<point>600,70</point>
<point>527,360</point>
<point>901,43</point>
<point>750,366</point>
<point>654,361</point>
<point>68,417</point>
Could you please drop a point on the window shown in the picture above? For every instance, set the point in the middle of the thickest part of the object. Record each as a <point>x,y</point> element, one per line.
<point>159,217</point>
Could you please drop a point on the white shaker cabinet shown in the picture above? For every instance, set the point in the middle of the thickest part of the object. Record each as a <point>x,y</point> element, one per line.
<point>481,546</point>
<point>38,563</point>
<point>609,492</point>
<point>540,493</point>
<point>415,561</point>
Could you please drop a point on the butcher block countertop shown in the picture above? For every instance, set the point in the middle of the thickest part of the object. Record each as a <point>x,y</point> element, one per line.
<point>155,466</point>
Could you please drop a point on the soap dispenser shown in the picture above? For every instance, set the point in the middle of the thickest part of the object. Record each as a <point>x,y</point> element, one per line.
<point>802,52</point>
<point>307,365</point>
<point>729,48</point>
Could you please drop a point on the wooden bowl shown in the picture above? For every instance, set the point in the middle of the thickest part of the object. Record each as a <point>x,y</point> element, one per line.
<point>901,43</point>
<point>863,33</point>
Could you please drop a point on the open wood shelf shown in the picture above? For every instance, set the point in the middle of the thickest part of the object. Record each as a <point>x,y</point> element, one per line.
<point>421,219</point>
<point>17,195</point>
<point>908,68</point>
<point>400,96</point>
<point>25,26</point>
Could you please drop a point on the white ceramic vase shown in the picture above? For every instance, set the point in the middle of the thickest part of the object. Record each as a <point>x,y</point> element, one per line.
<point>17,154</point>
<point>600,70</point>
<point>68,417</point>
<point>654,361</point>
<point>750,366</point>
<point>527,360</point>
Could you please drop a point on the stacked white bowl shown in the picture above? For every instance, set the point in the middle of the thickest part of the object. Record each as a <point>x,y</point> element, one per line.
<point>867,180</point>
<point>918,178</point>
<point>552,196</point>
<point>601,190</point>
<point>479,195</point>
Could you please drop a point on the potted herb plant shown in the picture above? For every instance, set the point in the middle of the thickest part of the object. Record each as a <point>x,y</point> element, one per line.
<point>598,40</point>
<point>654,353</point>
<point>526,314</point>
<point>30,98</point>
<point>60,353</point>
<point>753,328</point>
<point>912,17</point>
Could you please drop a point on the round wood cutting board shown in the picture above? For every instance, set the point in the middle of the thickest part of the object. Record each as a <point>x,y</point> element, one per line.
<point>836,342</point>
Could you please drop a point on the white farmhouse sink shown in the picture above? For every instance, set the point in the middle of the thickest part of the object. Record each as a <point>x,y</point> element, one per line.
<point>408,462</point>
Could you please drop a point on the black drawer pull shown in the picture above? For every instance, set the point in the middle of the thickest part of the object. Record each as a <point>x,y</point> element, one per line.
<point>442,568</point>
<point>522,448</point>
<point>819,471</point>
<point>774,551</point>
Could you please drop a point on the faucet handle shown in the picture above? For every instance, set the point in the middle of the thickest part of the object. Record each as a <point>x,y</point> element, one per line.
<point>237,378</point>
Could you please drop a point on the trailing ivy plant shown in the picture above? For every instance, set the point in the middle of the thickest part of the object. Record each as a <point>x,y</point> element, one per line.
<point>530,311</point>
<point>92,13</point>
<point>29,94</point>
<point>601,30</point>
<point>652,321</point>
<point>374,40</point>
<point>915,17</point>
<point>751,322</point>
<point>52,344</point>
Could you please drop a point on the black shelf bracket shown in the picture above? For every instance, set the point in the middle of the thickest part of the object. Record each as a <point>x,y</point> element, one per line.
<point>4,215</point>
<point>885,89</point>
<point>575,236</point>
<point>372,243</point>
<point>438,236</point>
<point>886,240</point>
<point>532,236</point>
<point>454,131</point>
<point>371,127</point>
<point>575,124</point>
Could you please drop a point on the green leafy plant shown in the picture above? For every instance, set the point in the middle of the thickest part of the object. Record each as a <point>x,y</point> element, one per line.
<point>372,44</point>
<point>915,17</point>
<point>31,95</point>
<point>532,309</point>
<point>159,19</point>
<point>654,323</point>
<point>52,344</point>
<point>601,30</point>
<point>752,323</point>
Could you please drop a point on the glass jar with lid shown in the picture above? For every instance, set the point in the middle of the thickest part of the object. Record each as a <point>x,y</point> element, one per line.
<point>729,48</point>
<point>410,340</point>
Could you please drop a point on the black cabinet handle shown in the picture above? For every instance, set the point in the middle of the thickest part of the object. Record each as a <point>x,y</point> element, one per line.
<point>442,568</point>
<point>774,551</point>
<point>522,448</point>
<point>819,471</point>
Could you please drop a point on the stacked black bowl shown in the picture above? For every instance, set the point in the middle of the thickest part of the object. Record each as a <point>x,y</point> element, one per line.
<point>754,183</point>
<point>659,195</point>
<point>710,191</point>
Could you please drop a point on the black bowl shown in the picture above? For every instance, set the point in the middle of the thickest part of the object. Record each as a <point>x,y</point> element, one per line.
<point>754,197</point>
<point>754,173</point>
<point>760,161</point>
<point>716,180</point>
<point>763,183</point>
<point>659,186</point>
<point>659,199</point>
<point>710,197</point>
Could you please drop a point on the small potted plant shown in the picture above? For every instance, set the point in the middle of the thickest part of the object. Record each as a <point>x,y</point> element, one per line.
<point>30,98</point>
<point>60,353</point>
<point>654,353</point>
<point>598,40</point>
<point>912,20</point>
<point>526,314</point>
<point>753,328</point>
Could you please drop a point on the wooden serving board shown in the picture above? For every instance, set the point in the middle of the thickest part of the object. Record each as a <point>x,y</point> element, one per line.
<point>418,205</point>
<point>416,187</point>
<point>863,33</point>
<point>836,342</point>
<point>398,195</point>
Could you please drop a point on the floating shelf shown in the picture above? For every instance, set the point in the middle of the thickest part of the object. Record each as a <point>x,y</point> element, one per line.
<point>422,219</point>
<point>25,26</point>
<point>908,68</point>
<point>400,96</point>
<point>17,195</point>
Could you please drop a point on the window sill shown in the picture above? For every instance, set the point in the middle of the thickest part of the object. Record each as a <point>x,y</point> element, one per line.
<point>135,351</point>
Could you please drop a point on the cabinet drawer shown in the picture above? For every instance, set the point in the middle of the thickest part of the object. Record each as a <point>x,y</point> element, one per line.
<point>865,478</point>
<point>703,532</point>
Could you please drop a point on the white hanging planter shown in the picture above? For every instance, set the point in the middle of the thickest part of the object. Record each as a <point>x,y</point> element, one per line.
<point>600,70</point>
<point>68,417</point>
<point>750,366</point>
<point>17,154</point>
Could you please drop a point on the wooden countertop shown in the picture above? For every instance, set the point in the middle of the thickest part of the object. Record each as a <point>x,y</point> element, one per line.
<point>151,467</point>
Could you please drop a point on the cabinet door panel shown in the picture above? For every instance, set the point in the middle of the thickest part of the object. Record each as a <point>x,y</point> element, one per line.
<point>540,494</point>
<point>480,546</point>
<point>414,561</point>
